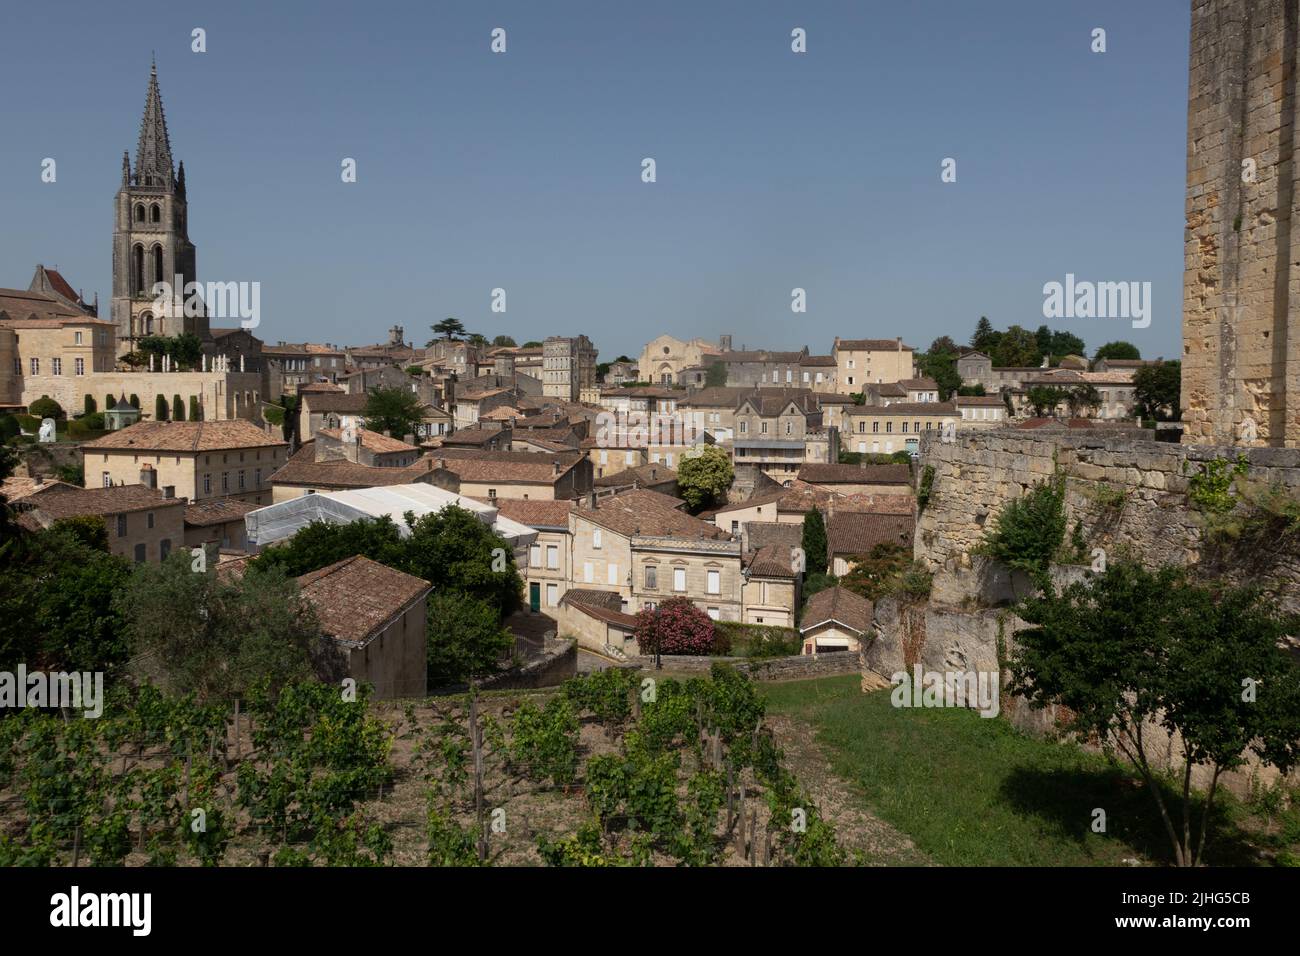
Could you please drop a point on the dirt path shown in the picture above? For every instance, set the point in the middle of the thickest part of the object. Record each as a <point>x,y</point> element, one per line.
<point>869,840</point>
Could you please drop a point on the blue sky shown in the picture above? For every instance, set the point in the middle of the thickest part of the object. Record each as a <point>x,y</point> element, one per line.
<point>523,170</point>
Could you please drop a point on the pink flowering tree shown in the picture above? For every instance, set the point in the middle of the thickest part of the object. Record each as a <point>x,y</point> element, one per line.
<point>677,627</point>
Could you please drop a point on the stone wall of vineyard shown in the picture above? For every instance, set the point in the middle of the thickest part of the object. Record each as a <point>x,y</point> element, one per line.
<point>797,667</point>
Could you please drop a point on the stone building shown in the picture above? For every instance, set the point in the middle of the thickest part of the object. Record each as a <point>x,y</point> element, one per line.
<point>859,362</point>
<point>1241,291</point>
<point>568,367</point>
<point>151,234</point>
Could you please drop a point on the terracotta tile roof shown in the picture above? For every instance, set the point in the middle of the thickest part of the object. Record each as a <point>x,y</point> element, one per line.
<point>303,469</point>
<point>544,444</point>
<point>772,561</point>
<point>372,441</point>
<point>473,436</point>
<point>772,402</point>
<point>787,534</point>
<point>645,512</point>
<point>67,501</point>
<point>20,305</point>
<point>315,349</point>
<point>472,464</point>
<point>15,489</point>
<point>186,437</point>
<point>644,476</point>
<point>977,400</point>
<point>356,597</point>
<point>918,383</point>
<point>352,403</point>
<point>871,345</point>
<point>535,514</point>
<point>856,474</point>
<point>819,360</point>
<point>602,605</point>
<point>839,605</point>
<point>217,511</point>
<point>858,533</point>
<point>717,396</point>
<point>313,388</point>
<point>905,409</point>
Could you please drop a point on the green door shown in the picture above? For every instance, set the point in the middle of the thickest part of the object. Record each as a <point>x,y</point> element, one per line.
<point>535,596</point>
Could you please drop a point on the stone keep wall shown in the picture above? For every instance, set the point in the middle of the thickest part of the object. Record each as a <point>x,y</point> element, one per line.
<point>975,476</point>
<point>1241,292</point>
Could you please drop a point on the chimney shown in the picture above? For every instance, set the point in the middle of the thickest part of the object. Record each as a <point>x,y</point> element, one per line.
<point>148,477</point>
<point>900,343</point>
<point>744,538</point>
<point>169,491</point>
<point>555,463</point>
<point>388,433</point>
<point>591,499</point>
<point>38,480</point>
<point>409,438</point>
<point>442,463</point>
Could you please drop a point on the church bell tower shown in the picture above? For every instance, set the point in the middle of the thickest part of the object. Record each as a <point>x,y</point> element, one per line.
<point>150,235</point>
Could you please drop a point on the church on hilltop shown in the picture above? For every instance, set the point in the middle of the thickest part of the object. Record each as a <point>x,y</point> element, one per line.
<point>53,343</point>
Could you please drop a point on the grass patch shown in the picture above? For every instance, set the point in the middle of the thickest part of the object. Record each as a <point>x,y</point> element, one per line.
<point>972,791</point>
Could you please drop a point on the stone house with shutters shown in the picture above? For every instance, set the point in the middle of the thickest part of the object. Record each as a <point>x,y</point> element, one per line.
<point>143,523</point>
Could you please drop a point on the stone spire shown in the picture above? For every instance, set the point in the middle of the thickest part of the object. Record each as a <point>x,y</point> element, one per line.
<point>126,168</point>
<point>153,155</point>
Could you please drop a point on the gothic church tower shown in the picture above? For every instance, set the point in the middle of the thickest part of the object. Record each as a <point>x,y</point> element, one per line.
<point>150,238</point>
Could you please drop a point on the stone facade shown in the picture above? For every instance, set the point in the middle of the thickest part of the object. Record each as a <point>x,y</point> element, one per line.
<point>1241,328</point>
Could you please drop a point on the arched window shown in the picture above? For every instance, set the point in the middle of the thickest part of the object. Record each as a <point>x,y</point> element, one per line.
<point>158,264</point>
<point>146,323</point>
<point>137,269</point>
<point>155,213</point>
<point>139,212</point>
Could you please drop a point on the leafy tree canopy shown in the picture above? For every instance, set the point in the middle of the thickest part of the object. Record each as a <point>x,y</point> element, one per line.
<point>704,478</point>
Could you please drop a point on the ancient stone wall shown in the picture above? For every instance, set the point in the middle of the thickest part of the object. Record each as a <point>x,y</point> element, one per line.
<point>1241,286</point>
<point>1131,496</point>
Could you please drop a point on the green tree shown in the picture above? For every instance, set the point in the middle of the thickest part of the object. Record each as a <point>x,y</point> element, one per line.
<point>449,329</point>
<point>160,409</point>
<point>976,389</point>
<point>196,413</point>
<point>704,478</point>
<point>394,410</point>
<point>1066,343</point>
<point>1016,348</point>
<point>216,637</point>
<point>814,542</point>
<point>46,407</point>
<point>943,344</point>
<point>503,341</point>
<point>1044,399</point>
<point>715,375</point>
<point>478,339</point>
<point>986,337</point>
<point>465,638</point>
<point>942,367</point>
<point>1157,391</point>
<point>89,404</point>
<point>1080,397</point>
<point>178,409</point>
<point>321,544</point>
<point>1117,350</point>
<point>1133,650</point>
<point>1028,530</point>
<point>57,599</point>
